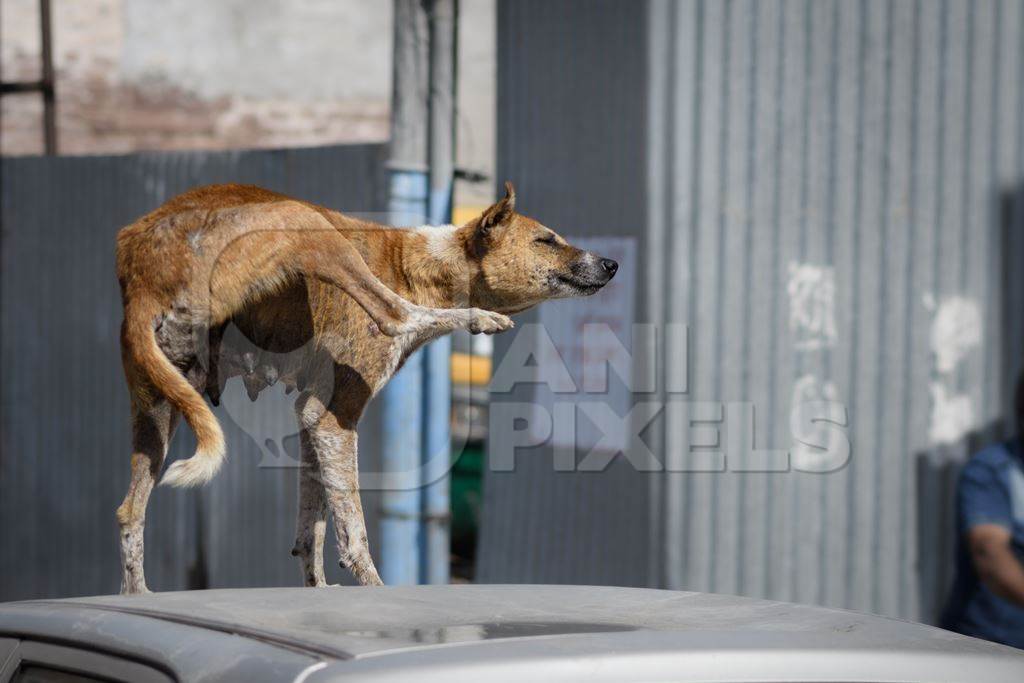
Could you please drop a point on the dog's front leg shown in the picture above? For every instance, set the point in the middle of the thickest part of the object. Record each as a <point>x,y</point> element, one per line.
<point>335,442</point>
<point>312,520</point>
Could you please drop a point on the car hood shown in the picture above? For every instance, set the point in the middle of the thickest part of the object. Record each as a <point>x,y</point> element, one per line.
<point>359,621</point>
<point>527,632</point>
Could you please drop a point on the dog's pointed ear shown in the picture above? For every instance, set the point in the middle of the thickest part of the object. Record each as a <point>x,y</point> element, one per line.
<point>499,212</point>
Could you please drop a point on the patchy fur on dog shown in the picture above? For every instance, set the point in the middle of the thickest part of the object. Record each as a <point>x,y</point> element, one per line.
<point>355,298</point>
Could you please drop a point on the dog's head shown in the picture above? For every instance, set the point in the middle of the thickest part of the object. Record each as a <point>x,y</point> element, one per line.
<point>521,263</point>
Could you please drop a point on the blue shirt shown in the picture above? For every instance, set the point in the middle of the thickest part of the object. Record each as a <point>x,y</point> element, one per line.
<point>990,491</point>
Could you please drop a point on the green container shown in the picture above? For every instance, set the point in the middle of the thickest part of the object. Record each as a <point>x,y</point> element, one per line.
<point>466,495</point>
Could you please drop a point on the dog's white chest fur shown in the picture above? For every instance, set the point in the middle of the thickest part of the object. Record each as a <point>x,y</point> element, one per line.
<point>440,241</point>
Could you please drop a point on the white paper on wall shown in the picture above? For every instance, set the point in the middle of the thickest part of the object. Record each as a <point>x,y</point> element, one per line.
<point>591,338</point>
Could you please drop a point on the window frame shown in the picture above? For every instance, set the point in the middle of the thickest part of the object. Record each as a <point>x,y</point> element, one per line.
<point>89,662</point>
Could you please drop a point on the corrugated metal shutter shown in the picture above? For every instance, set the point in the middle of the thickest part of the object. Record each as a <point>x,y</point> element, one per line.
<point>827,185</point>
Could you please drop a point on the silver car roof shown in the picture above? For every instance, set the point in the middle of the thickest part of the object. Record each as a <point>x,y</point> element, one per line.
<point>572,630</point>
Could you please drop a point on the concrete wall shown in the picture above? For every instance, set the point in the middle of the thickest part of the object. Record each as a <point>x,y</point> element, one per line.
<point>185,74</point>
<point>261,49</point>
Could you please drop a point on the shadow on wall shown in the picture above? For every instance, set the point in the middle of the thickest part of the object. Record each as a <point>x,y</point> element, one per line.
<point>938,469</point>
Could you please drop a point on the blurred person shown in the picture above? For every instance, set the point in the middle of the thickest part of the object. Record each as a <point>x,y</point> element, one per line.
<point>987,599</point>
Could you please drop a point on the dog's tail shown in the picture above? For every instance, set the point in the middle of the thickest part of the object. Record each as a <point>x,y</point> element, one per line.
<point>140,344</point>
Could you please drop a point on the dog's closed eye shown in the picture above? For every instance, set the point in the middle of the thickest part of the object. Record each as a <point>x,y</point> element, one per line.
<point>547,239</point>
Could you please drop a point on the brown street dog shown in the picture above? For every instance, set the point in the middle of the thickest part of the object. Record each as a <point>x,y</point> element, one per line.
<point>355,299</point>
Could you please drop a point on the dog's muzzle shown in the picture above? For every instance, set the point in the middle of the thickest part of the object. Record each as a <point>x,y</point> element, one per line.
<point>588,274</point>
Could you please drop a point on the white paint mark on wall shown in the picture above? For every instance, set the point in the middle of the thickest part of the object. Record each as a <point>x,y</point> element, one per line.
<point>808,393</point>
<point>952,414</point>
<point>812,317</point>
<point>956,330</point>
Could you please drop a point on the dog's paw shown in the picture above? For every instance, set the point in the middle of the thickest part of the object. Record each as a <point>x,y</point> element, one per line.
<point>488,322</point>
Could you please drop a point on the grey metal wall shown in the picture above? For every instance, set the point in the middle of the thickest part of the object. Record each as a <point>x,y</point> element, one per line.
<point>64,436</point>
<point>571,116</point>
<point>878,146</point>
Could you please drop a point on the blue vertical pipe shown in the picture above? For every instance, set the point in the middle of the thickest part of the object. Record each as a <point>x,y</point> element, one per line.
<point>435,558</point>
<point>402,401</point>
<point>417,401</point>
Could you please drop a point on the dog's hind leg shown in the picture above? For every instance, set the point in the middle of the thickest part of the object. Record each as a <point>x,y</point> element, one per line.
<point>311,247</point>
<point>152,428</point>
<point>344,267</point>
<point>312,521</point>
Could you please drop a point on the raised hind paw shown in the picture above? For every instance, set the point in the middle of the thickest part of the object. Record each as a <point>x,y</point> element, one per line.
<point>433,320</point>
<point>487,322</point>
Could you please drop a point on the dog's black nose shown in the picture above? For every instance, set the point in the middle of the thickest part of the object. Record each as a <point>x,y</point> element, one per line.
<point>609,266</point>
